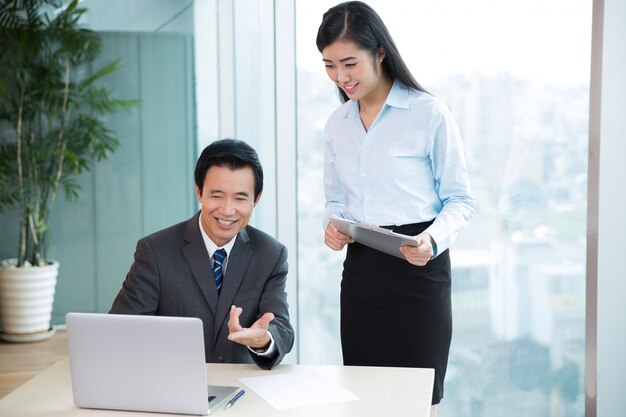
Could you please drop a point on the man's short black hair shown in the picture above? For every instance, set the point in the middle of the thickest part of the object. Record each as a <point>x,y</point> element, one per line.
<point>233,154</point>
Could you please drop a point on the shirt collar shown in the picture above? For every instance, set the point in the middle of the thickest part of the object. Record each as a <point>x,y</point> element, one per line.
<point>211,247</point>
<point>398,97</point>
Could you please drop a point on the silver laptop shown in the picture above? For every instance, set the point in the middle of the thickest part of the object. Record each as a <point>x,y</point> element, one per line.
<point>141,363</point>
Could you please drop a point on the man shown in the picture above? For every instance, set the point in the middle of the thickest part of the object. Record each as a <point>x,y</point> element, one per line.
<point>216,267</point>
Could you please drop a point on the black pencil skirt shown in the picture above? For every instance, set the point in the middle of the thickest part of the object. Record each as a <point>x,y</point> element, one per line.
<point>394,313</point>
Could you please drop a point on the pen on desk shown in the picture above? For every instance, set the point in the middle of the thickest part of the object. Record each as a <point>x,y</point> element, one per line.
<point>235,398</point>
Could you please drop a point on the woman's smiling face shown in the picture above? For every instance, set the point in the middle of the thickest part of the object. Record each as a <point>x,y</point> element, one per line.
<point>352,69</point>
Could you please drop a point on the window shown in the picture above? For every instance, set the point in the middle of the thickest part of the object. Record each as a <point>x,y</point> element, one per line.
<point>519,91</point>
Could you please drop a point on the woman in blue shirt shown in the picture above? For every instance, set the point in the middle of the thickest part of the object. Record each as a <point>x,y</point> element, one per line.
<point>393,158</point>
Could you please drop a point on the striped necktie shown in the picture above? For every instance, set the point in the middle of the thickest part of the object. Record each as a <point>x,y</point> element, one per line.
<point>218,272</point>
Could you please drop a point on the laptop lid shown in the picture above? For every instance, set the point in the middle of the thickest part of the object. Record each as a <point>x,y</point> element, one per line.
<point>140,363</point>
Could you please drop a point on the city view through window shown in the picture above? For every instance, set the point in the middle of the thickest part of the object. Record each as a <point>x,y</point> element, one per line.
<point>519,91</point>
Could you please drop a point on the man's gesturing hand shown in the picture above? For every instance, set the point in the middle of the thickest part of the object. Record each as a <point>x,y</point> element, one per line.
<point>254,336</point>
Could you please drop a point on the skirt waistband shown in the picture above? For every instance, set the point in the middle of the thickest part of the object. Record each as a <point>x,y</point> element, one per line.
<point>409,229</point>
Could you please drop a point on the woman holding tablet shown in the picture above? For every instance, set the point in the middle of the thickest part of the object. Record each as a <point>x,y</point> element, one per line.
<point>393,158</point>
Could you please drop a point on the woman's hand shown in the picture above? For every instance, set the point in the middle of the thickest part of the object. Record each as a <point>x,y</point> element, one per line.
<point>419,255</point>
<point>334,239</point>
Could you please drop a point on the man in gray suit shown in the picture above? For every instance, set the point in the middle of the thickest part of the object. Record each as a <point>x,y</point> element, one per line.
<point>216,267</point>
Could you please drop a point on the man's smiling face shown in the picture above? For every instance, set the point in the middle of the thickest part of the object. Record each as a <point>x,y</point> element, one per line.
<point>227,200</point>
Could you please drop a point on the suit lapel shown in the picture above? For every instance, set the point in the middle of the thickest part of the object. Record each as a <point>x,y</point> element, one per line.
<point>198,260</point>
<point>236,267</point>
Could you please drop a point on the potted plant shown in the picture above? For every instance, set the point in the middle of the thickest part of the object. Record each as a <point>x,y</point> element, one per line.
<point>51,130</point>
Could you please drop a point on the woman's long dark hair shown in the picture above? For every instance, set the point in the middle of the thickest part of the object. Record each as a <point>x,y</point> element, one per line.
<point>355,21</point>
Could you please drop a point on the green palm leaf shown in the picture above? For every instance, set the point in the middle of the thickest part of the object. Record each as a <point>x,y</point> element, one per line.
<point>50,109</point>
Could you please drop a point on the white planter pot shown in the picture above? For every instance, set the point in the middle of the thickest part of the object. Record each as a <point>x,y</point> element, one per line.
<point>26,298</point>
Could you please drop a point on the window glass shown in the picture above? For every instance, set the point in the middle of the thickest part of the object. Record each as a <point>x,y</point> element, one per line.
<point>519,90</point>
<point>146,184</point>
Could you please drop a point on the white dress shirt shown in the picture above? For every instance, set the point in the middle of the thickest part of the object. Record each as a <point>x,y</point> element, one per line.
<point>211,247</point>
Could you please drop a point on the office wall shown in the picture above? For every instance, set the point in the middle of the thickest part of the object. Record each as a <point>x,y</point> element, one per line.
<point>144,186</point>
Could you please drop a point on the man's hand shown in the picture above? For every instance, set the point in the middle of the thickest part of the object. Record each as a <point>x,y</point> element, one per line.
<point>334,239</point>
<point>255,336</point>
<point>421,254</point>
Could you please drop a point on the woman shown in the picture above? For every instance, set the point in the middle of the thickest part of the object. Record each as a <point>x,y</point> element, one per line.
<point>394,158</point>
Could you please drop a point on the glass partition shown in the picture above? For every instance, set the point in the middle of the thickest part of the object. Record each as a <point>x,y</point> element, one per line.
<point>147,184</point>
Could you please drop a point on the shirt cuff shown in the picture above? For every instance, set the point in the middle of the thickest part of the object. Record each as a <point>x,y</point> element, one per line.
<point>436,233</point>
<point>435,252</point>
<point>265,352</point>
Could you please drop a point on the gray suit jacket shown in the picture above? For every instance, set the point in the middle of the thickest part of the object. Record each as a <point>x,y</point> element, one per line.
<point>172,276</point>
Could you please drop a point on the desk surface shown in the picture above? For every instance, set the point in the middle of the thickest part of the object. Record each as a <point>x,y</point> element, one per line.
<point>383,391</point>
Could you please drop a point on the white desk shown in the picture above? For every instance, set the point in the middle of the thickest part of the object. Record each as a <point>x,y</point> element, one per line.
<point>384,392</point>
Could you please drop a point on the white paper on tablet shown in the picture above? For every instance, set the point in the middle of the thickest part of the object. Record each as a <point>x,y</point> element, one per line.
<point>373,236</point>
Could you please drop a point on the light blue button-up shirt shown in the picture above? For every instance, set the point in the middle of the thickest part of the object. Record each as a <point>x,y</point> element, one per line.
<point>409,167</point>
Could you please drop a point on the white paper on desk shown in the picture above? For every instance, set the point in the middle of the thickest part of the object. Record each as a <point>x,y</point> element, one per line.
<point>298,389</point>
